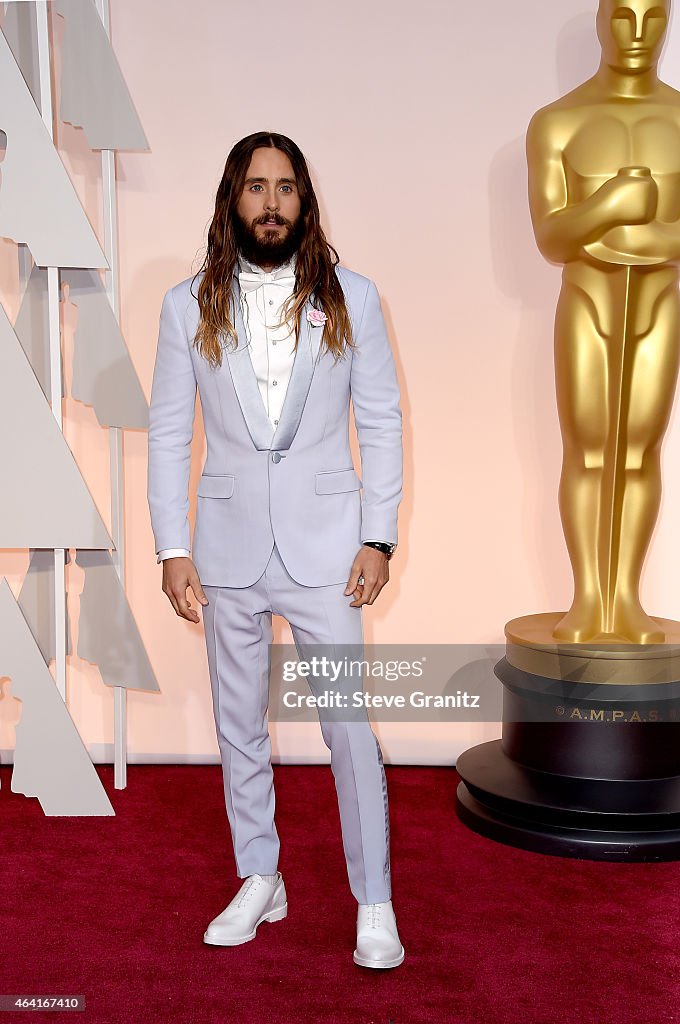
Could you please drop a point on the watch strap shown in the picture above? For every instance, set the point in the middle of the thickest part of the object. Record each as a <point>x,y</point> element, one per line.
<point>379,545</point>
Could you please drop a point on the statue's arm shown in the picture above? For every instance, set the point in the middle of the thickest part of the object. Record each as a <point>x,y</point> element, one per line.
<point>562,228</point>
<point>657,241</point>
<point>660,240</point>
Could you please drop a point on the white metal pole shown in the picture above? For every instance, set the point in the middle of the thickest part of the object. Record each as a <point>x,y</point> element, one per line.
<point>112,280</point>
<point>55,350</point>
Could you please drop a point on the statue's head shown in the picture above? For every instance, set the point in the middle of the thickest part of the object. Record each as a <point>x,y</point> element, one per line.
<point>632,32</point>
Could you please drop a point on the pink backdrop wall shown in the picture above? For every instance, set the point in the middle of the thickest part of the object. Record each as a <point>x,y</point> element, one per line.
<point>412,117</point>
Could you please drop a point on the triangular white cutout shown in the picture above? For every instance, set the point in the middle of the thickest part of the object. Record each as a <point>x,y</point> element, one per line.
<point>46,503</point>
<point>50,761</point>
<point>38,204</point>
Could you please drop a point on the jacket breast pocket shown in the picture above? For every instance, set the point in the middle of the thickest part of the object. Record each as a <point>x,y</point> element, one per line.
<point>216,486</point>
<point>336,480</point>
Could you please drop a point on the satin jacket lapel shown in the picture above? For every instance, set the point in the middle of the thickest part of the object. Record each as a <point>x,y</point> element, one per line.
<point>304,364</point>
<point>248,393</point>
<point>245,381</point>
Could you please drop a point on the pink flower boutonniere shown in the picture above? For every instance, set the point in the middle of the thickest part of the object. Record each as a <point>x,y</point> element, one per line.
<point>316,317</point>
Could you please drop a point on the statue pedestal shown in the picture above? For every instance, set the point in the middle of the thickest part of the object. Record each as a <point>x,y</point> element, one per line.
<point>589,761</point>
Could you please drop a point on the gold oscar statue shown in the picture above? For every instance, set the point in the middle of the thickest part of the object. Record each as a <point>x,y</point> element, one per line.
<point>604,191</point>
<point>589,760</point>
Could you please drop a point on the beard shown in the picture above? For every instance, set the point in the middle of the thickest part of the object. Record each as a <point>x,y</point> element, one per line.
<point>275,246</point>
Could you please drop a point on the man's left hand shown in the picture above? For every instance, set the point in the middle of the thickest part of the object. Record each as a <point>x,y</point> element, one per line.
<point>372,567</point>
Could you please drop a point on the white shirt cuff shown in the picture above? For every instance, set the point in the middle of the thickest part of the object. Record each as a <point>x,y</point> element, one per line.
<point>171,553</point>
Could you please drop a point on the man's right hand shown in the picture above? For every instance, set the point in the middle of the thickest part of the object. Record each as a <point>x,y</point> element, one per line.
<point>178,574</point>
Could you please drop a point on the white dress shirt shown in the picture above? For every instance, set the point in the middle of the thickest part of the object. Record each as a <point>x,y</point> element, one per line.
<point>272,352</point>
<point>271,347</point>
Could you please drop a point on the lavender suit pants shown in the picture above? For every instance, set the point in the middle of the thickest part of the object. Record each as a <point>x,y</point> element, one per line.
<point>238,630</point>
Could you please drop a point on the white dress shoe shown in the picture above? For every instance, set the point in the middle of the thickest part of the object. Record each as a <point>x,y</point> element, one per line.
<point>256,901</point>
<point>378,943</point>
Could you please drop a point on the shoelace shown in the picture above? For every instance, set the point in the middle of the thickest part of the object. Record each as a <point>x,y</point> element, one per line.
<point>374,911</point>
<point>247,892</point>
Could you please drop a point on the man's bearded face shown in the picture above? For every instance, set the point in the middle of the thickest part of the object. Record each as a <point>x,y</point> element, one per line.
<point>262,244</point>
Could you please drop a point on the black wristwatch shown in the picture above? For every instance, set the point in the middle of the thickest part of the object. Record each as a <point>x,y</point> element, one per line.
<point>379,545</point>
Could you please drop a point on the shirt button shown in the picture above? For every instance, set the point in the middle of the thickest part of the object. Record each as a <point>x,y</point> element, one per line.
<point>274,383</point>
<point>271,302</point>
<point>276,421</point>
<point>273,342</point>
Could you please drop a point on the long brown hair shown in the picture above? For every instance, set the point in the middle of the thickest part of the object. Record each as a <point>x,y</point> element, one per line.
<point>316,259</point>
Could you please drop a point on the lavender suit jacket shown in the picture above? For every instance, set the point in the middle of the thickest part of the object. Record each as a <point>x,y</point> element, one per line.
<point>294,484</point>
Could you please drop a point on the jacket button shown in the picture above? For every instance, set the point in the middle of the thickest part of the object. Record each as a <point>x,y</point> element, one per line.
<point>276,456</point>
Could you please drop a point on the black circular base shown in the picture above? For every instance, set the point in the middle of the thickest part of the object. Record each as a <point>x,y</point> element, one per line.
<point>595,819</point>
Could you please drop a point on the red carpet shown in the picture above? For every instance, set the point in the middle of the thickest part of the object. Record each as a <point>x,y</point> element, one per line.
<point>115,908</point>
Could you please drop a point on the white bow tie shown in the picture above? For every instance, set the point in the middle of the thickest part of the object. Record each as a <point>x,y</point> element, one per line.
<point>250,281</point>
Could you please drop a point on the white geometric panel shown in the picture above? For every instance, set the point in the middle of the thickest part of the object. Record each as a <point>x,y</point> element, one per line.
<point>46,503</point>
<point>33,330</point>
<point>36,600</point>
<point>38,204</point>
<point>50,761</point>
<point>94,95</point>
<point>20,30</point>
<point>107,632</point>
<point>103,374</point>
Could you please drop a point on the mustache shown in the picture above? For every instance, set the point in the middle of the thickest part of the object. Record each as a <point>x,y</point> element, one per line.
<point>275,217</point>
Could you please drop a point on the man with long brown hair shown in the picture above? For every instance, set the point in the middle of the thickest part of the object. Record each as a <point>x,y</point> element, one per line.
<point>278,338</point>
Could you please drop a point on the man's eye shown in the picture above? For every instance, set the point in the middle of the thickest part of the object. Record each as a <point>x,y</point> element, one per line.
<point>255,186</point>
<point>288,187</point>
